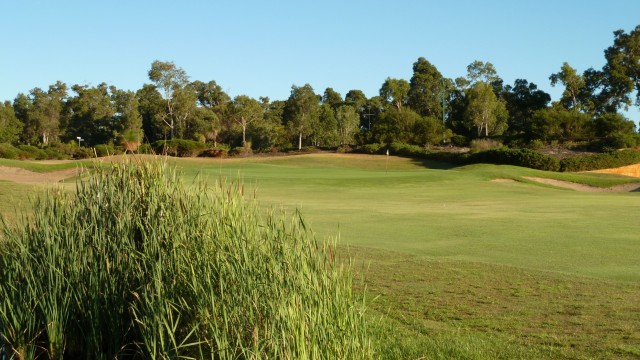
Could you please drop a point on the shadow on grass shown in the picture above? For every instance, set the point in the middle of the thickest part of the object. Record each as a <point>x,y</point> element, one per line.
<point>433,164</point>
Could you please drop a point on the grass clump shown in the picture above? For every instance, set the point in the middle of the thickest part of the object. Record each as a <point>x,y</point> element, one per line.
<point>136,264</point>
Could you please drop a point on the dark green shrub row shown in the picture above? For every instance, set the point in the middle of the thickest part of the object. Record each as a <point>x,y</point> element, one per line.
<point>179,147</point>
<point>518,157</point>
<point>506,156</point>
<point>601,161</point>
<point>56,151</point>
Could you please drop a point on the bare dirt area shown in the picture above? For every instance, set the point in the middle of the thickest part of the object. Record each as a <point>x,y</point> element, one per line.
<point>29,177</point>
<point>585,188</point>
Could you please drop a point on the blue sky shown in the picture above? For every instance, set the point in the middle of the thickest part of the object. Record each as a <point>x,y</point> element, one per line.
<point>261,48</point>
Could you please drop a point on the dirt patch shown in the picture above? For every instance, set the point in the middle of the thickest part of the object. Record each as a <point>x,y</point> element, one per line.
<point>585,188</point>
<point>29,177</point>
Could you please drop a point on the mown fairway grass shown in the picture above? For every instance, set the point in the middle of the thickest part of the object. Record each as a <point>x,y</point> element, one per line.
<point>461,266</point>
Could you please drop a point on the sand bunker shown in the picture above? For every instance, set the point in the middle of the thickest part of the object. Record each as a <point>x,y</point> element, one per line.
<point>30,177</point>
<point>586,188</point>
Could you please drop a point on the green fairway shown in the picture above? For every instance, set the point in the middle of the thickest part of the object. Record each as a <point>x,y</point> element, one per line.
<point>458,214</point>
<point>457,264</point>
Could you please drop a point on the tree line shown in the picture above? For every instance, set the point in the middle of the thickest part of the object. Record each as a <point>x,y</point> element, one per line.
<point>427,109</point>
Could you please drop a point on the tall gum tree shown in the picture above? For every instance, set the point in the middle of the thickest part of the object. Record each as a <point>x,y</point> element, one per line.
<point>170,80</point>
<point>426,89</point>
<point>573,83</point>
<point>395,91</point>
<point>244,111</point>
<point>485,111</point>
<point>302,110</point>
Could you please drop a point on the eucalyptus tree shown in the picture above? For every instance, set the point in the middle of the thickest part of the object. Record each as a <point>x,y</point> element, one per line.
<point>426,89</point>
<point>348,121</point>
<point>574,84</point>
<point>10,126</point>
<point>170,81</point>
<point>151,107</point>
<point>127,121</point>
<point>302,111</point>
<point>395,91</point>
<point>270,132</point>
<point>22,107</point>
<point>479,71</point>
<point>244,111</point>
<point>622,71</point>
<point>210,95</point>
<point>91,114</point>
<point>395,125</point>
<point>42,113</point>
<point>522,100</point>
<point>356,98</point>
<point>485,111</point>
<point>332,98</point>
<point>325,130</point>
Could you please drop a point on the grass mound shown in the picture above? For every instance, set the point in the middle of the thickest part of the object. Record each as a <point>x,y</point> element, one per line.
<point>136,264</point>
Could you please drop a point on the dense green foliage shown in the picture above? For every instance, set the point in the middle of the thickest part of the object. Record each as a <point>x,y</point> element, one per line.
<point>134,264</point>
<point>601,161</point>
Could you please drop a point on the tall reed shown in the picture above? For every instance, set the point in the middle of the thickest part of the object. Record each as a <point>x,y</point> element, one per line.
<point>136,264</point>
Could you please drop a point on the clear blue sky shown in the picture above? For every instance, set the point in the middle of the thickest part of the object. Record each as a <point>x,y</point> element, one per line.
<point>261,48</point>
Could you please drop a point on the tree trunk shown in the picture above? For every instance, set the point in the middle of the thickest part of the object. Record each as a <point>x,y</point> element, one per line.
<point>244,136</point>
<point>300,141</point>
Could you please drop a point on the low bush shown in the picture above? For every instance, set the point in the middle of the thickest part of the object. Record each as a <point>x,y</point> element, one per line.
<point>344,149</point>
<point>82,152</point>
<point>375,148</point>
<point>241,151</point>
<point>8,151</point>
<point>33,152</point>
<point>484,144</point>
<point>145,149</point>
<point>107,150</point>
<point>213,152</point>
<point>178,147</point>
<point>459,140</point>
<point>601,161</point>
<point>518,157</point>
<point>135,264</point>
<point>406,149</point>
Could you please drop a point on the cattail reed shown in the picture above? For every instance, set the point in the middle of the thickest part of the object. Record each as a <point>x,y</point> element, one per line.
<point>135,264</point>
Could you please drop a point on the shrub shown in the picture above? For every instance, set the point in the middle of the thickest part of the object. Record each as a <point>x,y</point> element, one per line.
<point>536,144</point>
<point>106,150</point>
<point>32,152</point>
<point>485,144</point>
<point>601,161</point>
<point>213,152</point>
<point>518,157</point>
<point>406,149</point>
<point>241,151</point>
<point>145,149</point>
<point>136,264</point>
<point>459,140</point>
<point>8,151</point>
<point>82,152</point>
<point>375,148</point>
<point>178,147</point>
<point>343,149</point>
